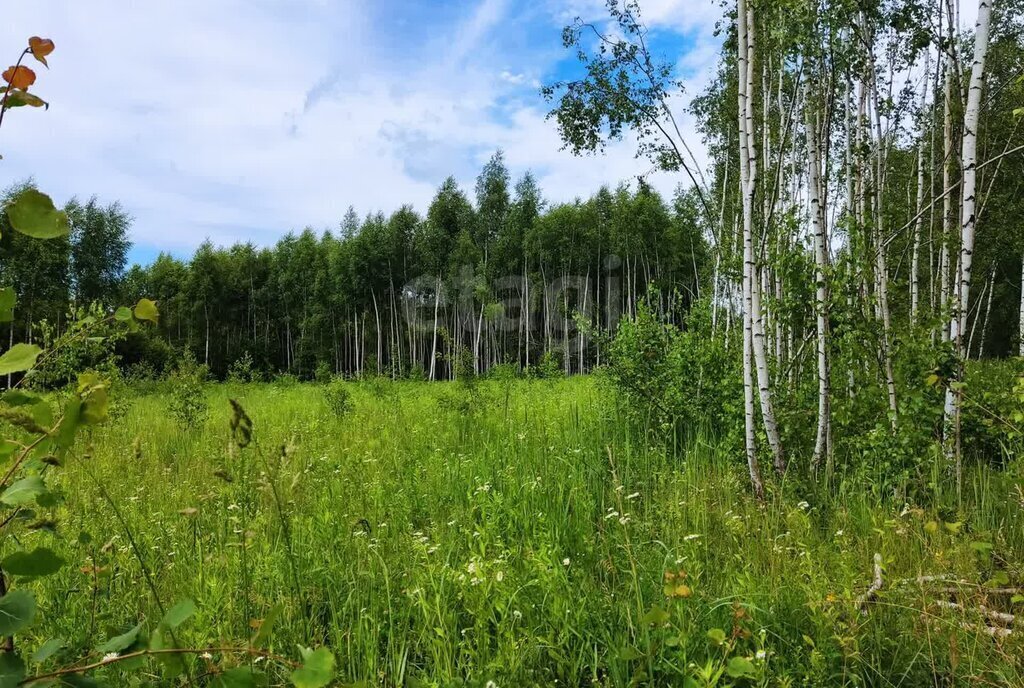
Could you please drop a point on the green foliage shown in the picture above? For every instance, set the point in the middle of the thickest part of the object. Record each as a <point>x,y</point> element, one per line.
<point>188,404</point>
<point>675,381</point>
<point>338,398</point>
<point>317,669</point>
<point>19,358</point>
<point>87,341</point>
<point>32,213</point>
<point>550,366</point>
<point>243,370</point>
<point>323,373</point>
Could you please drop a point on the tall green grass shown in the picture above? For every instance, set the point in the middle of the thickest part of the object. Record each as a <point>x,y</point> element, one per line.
<point>526,537</point>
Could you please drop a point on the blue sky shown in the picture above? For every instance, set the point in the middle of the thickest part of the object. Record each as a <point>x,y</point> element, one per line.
<point>240,120</point>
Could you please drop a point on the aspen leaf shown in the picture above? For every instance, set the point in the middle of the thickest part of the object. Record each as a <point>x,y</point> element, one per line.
<point>17,98</point>
<point>19,77</point>
<point>178,614</point>
<point>23,492</point>
<point>317,669</point>
<point>120,642</point>
<point>147,310</point>
<point>19,358</point>
<point>12,669</point>
<point>40,47</point>
<point>39,562</point>
<point>740,667</point>
<point>17,610</point>
<point>33,213</point>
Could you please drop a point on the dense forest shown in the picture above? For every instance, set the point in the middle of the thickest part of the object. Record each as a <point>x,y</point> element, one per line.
<point>506,276</point>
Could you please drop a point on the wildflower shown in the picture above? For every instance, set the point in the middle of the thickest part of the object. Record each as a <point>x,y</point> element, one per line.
<point>761,654</point>
<point>500,576</point>
<point>694,536</point>
<point>110,657</point>
<point>566,562</point>
<point>206,655</point>
<point>633,496</point>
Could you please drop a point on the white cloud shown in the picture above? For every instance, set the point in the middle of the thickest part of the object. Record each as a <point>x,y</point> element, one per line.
<point>242,120</point>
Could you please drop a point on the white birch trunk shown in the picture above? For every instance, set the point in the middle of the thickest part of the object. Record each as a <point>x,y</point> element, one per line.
<point>968,219</point>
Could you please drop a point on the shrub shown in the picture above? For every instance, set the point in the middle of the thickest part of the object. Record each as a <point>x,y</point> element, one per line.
<point>323,373</point>
<point>550,366</point>
<point>243,369</point>
<point>338,398</point>
<point>188,398</point>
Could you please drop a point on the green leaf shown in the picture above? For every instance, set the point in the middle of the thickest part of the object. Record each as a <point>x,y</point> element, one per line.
<point>123,314</point>
<point>998,579</point>
<point>178,614</point>
<point>262,634</point>
<point>740,667</point>
<point>39,562</point>
<point>656,616</point>
<point>47,650</point>
<point>19,397</point>
<point>7,301</point>
<point>120,642</point>
<point>241,677</point>
<point>18,358</point>
<point>17,609</point>
<point>19,98</point>
<point>33,213</point>
<point>147,310</point>
<point>65,435</point>
<point>93,392</point>
<point>317,669</point>
<point>12,669</point>
<point>717,636</point>
<point>25,491</point>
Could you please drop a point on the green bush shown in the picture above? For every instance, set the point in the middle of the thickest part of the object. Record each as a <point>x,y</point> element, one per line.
<point>243,369</point>
<point>188,403</point>
<point>338,398</point>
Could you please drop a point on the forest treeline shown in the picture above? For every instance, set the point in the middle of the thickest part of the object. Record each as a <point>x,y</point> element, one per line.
<point>501,275</point>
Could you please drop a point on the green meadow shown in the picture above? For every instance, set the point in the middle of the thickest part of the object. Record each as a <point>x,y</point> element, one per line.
<point>512,533</point>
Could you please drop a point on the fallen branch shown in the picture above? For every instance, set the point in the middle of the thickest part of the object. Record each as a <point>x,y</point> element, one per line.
<point>876,585</point>
<point>1000,617</point>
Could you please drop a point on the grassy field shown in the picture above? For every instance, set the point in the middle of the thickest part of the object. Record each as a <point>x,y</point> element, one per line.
<point>519,536</point>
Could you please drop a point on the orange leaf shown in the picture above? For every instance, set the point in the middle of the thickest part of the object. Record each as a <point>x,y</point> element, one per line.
<point>19,77</point>
<point>40,47</point>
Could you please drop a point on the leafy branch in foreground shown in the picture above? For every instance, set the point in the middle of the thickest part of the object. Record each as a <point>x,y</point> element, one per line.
<point>36,440</point>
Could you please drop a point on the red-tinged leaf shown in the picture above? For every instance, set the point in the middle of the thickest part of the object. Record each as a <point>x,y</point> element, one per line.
<point>40,47</point>
<point>19,77</point>
<point>18,98</point>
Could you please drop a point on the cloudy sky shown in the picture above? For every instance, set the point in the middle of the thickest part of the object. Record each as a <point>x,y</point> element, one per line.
<point>240,120</point>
